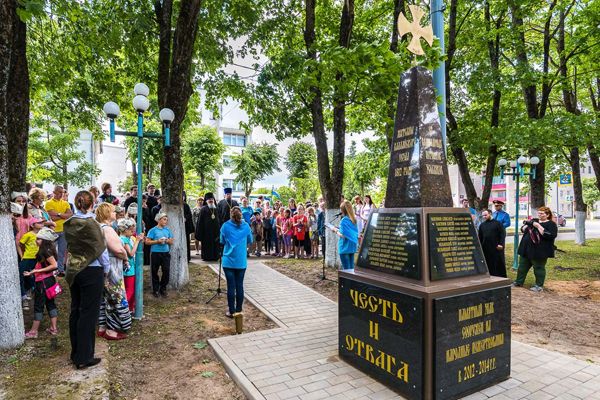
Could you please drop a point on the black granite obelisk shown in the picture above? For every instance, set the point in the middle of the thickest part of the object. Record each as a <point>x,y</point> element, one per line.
<point>418,174</point>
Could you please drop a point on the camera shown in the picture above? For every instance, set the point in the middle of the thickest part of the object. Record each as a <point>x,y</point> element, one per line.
<point>529,222</point>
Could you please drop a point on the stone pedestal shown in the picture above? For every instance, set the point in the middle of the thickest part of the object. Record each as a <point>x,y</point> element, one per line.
<point>420,313</point>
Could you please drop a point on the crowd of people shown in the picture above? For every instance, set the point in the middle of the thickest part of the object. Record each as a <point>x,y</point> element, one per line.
<point>535,246</point>
<point>92,244</point>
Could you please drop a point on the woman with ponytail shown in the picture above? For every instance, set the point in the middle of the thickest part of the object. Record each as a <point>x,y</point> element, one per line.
<point>235,236</point>
<point>348,233</point>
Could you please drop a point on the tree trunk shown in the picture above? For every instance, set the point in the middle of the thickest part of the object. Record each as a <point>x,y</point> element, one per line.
<point>452,128</point>
<point>593,153</point>
<point>174,91</point>
<point>537,185</point>
<point>318,130</point>
<point>331,179</point>
<point>595,160</point>
<point>134,173</point>
<point>574,158</point>
<point>18,116</point>
<point>179,275</point>
<point>332,258</point>
<point>393,97</point>
<point>580,206</point>
<point>494,56</point>
<point>11,313</point>
<point>65,170</point>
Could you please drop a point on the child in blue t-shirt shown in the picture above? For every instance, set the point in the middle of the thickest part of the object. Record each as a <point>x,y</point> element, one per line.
<point>160,238</point>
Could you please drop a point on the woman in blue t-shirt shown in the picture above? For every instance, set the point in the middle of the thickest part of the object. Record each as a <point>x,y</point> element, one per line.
<point>348,233</point>
<point>235,237</point>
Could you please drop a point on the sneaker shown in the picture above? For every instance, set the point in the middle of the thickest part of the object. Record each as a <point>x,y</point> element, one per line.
<point>61,274</point>
<point>155,294</point>
<point>536,288</point>
<point>25,304</point>
<point>515,284</point>
<point>164,294</point>
<point>31,335</point>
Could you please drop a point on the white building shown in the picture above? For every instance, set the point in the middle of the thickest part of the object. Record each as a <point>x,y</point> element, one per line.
<point>109,158</point>
<point>236,139</point>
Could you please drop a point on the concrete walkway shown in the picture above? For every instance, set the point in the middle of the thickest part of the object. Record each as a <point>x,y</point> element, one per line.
<point>299,360</point>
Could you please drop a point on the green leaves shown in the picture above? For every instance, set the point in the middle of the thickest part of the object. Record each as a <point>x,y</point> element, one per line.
<point>52,152</point>
<point>255,162</point>
<point>300,159</point>
<point>202,152</point>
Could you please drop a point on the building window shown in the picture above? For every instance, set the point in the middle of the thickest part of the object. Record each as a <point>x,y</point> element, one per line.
<point>238,187</point>
<point>589,169</point>
<point>226,161</point>
<point>234,139</point>
<point>496,180</point>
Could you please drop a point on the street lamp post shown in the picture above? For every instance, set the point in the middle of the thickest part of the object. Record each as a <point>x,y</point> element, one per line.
<point>112,111</point>
<point>518,171</point>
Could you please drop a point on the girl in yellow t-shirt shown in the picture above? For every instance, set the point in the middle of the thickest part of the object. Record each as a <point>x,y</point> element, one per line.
<point>28,250</point>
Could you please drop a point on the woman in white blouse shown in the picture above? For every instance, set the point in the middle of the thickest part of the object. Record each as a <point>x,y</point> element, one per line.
<point>366,209</point>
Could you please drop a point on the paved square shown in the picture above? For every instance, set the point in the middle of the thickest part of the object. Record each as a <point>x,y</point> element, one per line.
<point>299,360</point>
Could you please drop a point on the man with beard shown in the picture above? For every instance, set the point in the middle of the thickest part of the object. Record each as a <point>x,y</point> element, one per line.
<point>207,229</point>
<point>491,236</point>
<point>226,205</point>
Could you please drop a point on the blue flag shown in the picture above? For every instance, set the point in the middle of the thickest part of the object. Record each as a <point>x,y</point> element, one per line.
<point>274,193</point>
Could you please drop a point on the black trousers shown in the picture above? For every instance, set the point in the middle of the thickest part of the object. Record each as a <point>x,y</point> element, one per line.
<point>188,246</point>
<point>160,260</point>
<point>307,244</point>
<point>86,293</point>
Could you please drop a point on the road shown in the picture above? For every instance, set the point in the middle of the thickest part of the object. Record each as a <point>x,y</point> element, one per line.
<point>592,230</point>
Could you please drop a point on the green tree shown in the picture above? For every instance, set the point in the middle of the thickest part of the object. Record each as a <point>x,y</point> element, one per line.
<point>591,194</point>
<point>202,153</point>
<point>299,159</point>
<point>11,315</point>
<point>254,163</point>
<point>54,157</point>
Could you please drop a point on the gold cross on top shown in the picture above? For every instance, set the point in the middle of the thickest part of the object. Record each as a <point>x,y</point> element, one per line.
<point>415,29</point>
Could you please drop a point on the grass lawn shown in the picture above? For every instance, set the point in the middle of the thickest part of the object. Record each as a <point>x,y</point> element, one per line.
<point>572,262</point>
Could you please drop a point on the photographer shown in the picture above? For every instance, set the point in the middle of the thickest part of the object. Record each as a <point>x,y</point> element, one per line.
<point>537,245</point>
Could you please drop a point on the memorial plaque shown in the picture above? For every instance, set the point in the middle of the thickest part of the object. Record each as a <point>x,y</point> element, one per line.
<point>391,244</point>
<point>381,333</point>
<point>454,249</point>
<point>472,349</point>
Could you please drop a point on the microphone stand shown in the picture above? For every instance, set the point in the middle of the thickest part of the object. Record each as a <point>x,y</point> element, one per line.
<point>218,290</point>
<point>323,276</point>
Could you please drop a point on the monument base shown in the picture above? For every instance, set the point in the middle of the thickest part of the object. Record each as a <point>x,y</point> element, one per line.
<point>439,342</point>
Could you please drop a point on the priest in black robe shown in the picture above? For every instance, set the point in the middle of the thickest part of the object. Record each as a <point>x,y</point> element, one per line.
<point>208,228</point>
<point>226,205</point>
<point>492,235</point>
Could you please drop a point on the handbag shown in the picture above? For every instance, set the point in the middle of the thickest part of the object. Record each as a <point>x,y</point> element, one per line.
<point>54,289</point>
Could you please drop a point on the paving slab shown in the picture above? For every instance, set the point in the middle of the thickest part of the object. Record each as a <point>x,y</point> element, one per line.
<point>298,360</point>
